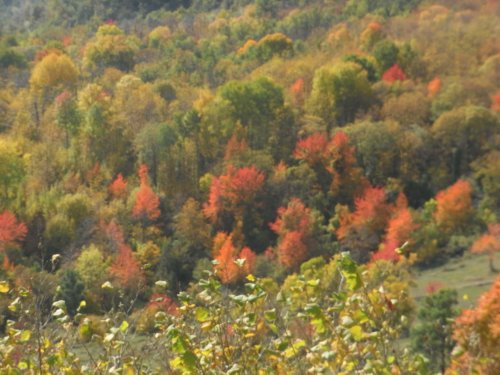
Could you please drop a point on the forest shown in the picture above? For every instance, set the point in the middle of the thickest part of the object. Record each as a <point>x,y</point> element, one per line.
<point>249,187</point>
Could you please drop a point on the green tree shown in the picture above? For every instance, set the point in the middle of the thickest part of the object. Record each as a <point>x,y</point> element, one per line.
<point>12,170</point>
<point>433,334</point>
<point>463,134</point>
<point>339,93</point>
<point>71,290</point>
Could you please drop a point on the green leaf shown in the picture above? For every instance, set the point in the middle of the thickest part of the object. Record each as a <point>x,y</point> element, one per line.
<point>189,359</point>
<point>270,315</point>
<point>319,325</point>
<point>349,270</point>
<point>22,365</point>
<point>202,314</point>
<point>313,310</point>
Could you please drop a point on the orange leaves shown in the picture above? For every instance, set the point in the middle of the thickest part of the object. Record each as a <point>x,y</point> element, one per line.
<point>488,243</point>
<point>225,253</point>
<point>118,187</point>
<point>495,102</point>
<point>162,302</point>
<point>478,332</point>
<point>371,211</point>
<point>454,206</point>
<point>233,190</point>
<point>312,149</point>
<point>398,231</point>
<point>292,250</point>
<point>213,207</point>
<point>433,87</point>
<point>294,227</point>
<point>298,86</point>
<point>393,74</point>
<point>125,267</point>
<point>242,184</point>
<point>336,157</point>
<point>11,230</point>
<point>147,202</point>
<point>297,90</point>
<point>295,217</point>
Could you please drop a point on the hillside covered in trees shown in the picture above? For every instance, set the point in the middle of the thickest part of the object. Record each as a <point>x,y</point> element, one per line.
<point>247,187</point>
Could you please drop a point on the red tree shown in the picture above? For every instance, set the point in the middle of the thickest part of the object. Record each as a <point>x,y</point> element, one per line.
<point>11,231</point>
<point>394,73</point>
<point>249,256</point>
<point>371,211</point>
<point>454,206</point>
<point>292,250</point>
<point>241,185</point>
<point>147,202</point>
<point>118,187</point>
<point>225,253</point>
<point>294,227</point>
<point>433,87</point>
<point>398,231</point>
<point>233,191</point>
<point>488,243</point>
<point>125,268</point>
<point>312,149</point>
<point>334,158</point>
<point>213,207</point>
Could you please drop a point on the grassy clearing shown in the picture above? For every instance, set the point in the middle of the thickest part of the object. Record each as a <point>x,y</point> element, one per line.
<point>469,275</point>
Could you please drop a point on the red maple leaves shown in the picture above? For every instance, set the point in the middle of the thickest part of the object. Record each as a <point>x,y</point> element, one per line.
<point>118,187</point>
<point>125,268</point>
<point>233,190</point>
<point>454,206</point>
<point>398,231</point>
<point>11,230</point>
<point>226,255</point>
<point>393,74</point>
<point>147,202</point>
<point>488,243</point>
<point>294,228</point>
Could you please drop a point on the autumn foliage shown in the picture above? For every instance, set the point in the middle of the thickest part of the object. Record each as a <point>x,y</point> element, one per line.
<point>495,102</point>
<point>226,254</point>
<point>393,74</point>
<point>371,211</point>
<point>433,87</point>
<point>125,268</point>
<point>454,206</point>
<point>477,331</point>
<point>398,231</point>
<point>294,227</point>
<point>11,230</point>
<point>118,187</point>
<point>488,243</point>
<point>337,157</point>
<point>233,190</point>
<point>147,202</point>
